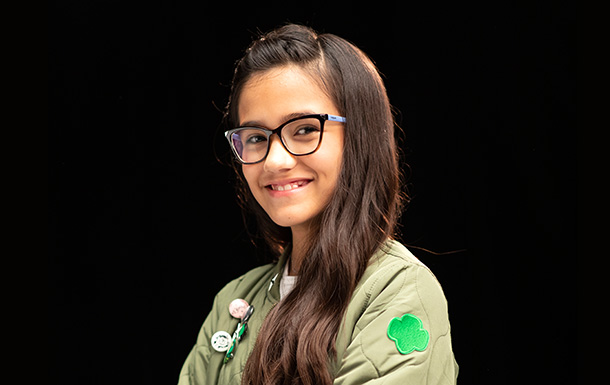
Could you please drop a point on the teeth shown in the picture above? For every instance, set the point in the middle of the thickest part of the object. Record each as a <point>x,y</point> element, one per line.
<point>287,187</point>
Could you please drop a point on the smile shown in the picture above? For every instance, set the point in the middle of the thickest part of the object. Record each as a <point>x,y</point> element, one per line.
<point>287,186</point>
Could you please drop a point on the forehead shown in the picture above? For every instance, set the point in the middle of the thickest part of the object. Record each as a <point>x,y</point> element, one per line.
<point>269,97</point>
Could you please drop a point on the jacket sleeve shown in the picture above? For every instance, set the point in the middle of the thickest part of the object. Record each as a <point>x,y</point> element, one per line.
<point>402,335</point>
<point>200,368</point>
<point>195,368</point>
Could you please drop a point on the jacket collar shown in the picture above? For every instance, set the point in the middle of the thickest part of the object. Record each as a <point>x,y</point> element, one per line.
<point>273,292</point>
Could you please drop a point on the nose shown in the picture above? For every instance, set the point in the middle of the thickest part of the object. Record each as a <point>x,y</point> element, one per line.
<point>278,159</point>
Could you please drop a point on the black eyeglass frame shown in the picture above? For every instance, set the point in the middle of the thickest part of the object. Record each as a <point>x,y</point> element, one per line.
<point>278,131</point>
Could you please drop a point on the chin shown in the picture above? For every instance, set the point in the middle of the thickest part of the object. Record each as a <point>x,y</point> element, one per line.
<point>289,218</point>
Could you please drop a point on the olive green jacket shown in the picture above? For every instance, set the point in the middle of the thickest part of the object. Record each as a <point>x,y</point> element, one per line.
<point>395,331</point>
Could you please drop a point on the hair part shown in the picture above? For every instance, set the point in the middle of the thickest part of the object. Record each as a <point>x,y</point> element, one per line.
<point>361,214</point>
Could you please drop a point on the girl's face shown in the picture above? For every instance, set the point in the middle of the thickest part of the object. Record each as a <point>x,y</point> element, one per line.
<point>291,189</point>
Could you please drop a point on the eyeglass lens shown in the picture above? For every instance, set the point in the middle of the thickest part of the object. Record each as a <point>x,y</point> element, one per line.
<point>300,137</point>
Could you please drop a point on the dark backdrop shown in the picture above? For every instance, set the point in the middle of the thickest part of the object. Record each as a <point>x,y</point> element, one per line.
<point>144,224</point>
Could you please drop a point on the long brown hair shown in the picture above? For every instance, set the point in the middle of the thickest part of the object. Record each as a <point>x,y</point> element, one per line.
<point>297,339</point>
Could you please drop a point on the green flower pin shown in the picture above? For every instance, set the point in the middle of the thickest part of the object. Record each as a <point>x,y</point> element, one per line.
<point>408,333</point>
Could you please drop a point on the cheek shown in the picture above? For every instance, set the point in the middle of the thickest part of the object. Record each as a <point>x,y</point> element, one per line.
<point>327,162</point>
<point>332,157</point>
<point>251,174</point>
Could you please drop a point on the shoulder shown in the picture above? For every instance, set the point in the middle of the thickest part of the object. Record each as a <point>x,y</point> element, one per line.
<point>247,287</point>
<point>394,253</point>
<point>396,277</point>
<point>397,319</point>
<point>247,283</point>
<point>204,364</point>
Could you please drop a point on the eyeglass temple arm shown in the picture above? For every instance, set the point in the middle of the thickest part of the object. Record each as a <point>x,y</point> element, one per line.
<point>335,118</point>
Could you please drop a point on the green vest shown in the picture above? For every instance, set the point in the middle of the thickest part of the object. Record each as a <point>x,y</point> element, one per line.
<point>395,331</point>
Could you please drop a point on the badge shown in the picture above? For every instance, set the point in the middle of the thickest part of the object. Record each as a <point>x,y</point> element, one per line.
<point>238,308</point>
<point>408,333</point>
<point>221,341</point>
<point>238,334</point>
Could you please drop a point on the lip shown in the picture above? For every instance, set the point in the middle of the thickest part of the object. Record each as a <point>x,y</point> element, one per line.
<point>286,187</point>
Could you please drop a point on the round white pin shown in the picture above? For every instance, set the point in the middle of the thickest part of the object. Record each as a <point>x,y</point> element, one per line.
<point>238,308</point>
<point>221,341</point>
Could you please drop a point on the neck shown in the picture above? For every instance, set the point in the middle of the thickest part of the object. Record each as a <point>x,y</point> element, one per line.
<point>300,235</point>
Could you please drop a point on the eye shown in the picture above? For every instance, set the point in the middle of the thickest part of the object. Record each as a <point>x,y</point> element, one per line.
<point>256,138</point>
<point>306,130</point>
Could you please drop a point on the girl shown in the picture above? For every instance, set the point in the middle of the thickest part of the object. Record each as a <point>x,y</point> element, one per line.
<point>313,138</point>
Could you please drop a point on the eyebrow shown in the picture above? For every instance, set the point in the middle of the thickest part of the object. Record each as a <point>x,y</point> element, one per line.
<point>285,118</point>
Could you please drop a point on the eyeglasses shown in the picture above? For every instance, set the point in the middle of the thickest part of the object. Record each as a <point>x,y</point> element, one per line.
<point>299,136</point>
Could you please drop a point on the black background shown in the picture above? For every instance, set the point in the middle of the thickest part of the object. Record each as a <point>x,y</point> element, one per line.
<point>144,224</point>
